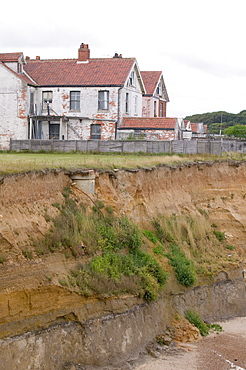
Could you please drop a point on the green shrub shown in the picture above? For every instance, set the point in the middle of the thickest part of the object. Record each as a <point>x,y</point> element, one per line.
<point>219,235</point>
<point>195,319</point>
<point>151,236</point>
<point>230,247</point>
<point>159,249</point>
<point>183,267</point>
<point>203,327</point>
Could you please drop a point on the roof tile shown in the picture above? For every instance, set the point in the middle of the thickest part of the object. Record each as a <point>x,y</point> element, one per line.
<point>70,72</point>
<point>149,122</point>
<point>150,80</point>
<point>10,57</point>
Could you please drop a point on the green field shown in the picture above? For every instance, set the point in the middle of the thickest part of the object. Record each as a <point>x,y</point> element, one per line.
<point>23,162</point>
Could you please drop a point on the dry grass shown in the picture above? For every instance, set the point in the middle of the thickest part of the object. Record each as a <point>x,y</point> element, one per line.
<point>22,162</point>
<point>195,237</point>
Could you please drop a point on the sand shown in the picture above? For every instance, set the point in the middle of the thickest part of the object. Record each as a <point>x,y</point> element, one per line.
<point>223,351</point>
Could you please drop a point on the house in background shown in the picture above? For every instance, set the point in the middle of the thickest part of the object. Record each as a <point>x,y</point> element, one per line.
<point>155,99</point>
<point>150,128</point>
<point>14,98</point>
<point>199,130</point>
<point>83,98</point>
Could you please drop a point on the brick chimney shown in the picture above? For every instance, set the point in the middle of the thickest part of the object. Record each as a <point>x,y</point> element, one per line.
<point>84,53</point>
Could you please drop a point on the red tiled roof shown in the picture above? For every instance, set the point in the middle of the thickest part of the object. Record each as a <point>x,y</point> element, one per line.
<point>149,123</point>
<point>194,127</point>
<point>10,57</point>
<point>69,72</point>
<point>150,80</point>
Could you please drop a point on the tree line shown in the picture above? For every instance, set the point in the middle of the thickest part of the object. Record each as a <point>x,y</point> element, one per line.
<point>231,124</point>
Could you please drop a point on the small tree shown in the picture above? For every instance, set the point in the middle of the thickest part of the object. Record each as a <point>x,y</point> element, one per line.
<point>236,130</point>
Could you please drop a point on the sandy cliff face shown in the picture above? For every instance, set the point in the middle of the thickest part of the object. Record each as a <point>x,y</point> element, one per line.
<point>218,188</point>
<point>31,296</point>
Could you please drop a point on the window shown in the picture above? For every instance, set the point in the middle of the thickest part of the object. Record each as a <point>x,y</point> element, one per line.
<point>54,131</point>
<point>75,100</point>
<point>31,103</point>
<point>159,89</point>
<point>127,102</point>
<point>19,67</point>
<point>103,100</point>
<point>131,79</point>
<point>155,115</point>
<point>47,99</point>
<point>96,131</point>
<point>161,109</point>
<point>136,105</point>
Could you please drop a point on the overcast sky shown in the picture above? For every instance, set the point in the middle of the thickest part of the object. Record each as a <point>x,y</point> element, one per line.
<point>198,45</point>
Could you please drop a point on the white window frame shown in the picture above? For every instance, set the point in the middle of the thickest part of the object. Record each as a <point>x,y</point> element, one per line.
<point>159,89</point>
<point>103,100</point>
<point>127,103</point>
<point>132,79</point>
<point>95,131</point>
<point>47,97</point>
<point>136,105</point>
<point>75,100</point>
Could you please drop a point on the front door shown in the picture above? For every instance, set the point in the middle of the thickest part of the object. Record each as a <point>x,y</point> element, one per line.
<point>54,131</point>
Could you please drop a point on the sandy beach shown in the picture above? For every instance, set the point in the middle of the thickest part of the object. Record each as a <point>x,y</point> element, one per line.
<point>223,351</point>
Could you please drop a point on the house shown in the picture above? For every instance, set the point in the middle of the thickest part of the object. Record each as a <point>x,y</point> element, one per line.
<point>149,128</point>
<point>194,130</point>
<point>155,99</point>
<point>14,98</point>
<point>78,99</point>
<point>199,130</point>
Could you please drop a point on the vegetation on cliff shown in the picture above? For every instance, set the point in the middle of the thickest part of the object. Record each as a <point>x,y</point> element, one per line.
<point>113,260</point>
<point>116,257</point>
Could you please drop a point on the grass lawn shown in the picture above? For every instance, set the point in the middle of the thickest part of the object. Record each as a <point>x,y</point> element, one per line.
<point>22,162</point>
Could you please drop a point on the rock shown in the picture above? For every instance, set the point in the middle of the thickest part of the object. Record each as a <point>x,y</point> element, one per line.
<point>184,331</point>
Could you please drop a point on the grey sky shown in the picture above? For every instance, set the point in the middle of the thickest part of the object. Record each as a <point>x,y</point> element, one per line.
<point>198,45</point>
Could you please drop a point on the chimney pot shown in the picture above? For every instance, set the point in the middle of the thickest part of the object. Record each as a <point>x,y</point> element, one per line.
<point>38,57</point>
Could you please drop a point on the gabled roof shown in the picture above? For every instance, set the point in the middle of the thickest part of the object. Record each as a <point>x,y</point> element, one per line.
<point>10,57</point>
<point>71,72</point>
<point>151,79</point>
<point>22,76</point>
<point>149,123</point>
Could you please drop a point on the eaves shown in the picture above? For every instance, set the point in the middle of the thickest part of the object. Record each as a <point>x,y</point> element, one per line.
<point>146,128</point>
<point>71,86</point>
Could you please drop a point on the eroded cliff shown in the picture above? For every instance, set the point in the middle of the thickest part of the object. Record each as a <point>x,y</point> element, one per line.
<point>36,307</point>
